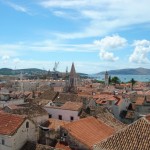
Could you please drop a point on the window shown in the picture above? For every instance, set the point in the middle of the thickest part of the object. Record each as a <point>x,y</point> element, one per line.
<point>60,117</point>
<point>50,116</point>
<point>3,142</point>
<point>64,134</point>
<point>71,118</point>
<point>27,124</point>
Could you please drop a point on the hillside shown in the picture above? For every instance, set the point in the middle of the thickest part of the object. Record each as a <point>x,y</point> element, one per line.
<point>7,71</point>
<point>30,71</point>
<point>133,71</point>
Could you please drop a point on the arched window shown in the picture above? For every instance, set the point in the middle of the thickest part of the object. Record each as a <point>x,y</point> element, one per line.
<point>27,124</point>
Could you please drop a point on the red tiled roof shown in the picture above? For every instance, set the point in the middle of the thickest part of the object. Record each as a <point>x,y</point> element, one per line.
<point>9,123</point>
<point>62,146</point>
<point>72,105</point>
<point>140,92</point>
<point>54,123</point>
<point>89,130</point>
<point>136,136</point>
<point>139,101</point>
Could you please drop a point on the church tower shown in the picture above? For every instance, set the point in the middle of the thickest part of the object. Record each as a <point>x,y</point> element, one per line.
<point>73,78</point>
<point>106,79</point>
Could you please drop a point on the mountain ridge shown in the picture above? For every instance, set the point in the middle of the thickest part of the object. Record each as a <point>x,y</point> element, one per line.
<point>128,71</point>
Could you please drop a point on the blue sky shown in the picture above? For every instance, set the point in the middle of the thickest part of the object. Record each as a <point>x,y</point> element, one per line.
<point>96,35</point>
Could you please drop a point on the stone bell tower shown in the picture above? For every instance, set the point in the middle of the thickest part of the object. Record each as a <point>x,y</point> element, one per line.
<point>106,79</point>
<point>73,78</point>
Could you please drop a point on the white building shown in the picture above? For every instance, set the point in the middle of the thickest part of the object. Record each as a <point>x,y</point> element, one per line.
<point>115,104</point>
<point>68,112</point>
<point>15,131</point>
<point>121,105</point>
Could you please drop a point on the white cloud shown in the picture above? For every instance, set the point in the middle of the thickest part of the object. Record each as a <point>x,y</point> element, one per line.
<point>5,57</point>
<point>65,3</point>
<point>141,51</point>
<point>16,61</point>
<point>108,56</point>
<point>102,16</point>
<point>17,7</point>
<point>110,43</point>
<point>10,50</point>
<point>66,15</point>
<point>17,49</point>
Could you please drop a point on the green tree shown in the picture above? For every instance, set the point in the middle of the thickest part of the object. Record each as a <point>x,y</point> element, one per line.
<point>132,81</point>
<point>109,80</point>
<point>115,80</point>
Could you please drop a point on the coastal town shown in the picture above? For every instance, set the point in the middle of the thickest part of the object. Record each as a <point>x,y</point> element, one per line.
<point>70,112</point>
<point>75,75</point>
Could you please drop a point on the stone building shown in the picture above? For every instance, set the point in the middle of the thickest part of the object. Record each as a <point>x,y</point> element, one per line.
<point>15,131</point>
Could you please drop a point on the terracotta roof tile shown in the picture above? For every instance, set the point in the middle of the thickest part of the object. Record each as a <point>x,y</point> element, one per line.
<point>139,101</point>
<point>110,120</point>
<point>133,137</point>
<point>72,106</point>
<point>89,130</point>
<point>54,123</point>
<point>65,97</point>
<point>10,123</point>
<point>62,146</point>
<point>31,110</point>
<point>48,94</point>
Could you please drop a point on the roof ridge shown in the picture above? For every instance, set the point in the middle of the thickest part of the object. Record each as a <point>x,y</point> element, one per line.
<point>123,129</point>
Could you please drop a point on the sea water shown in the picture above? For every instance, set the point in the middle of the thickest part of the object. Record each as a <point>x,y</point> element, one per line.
<point>125,78</point>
